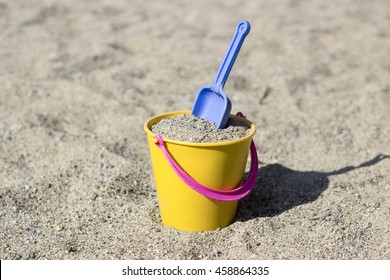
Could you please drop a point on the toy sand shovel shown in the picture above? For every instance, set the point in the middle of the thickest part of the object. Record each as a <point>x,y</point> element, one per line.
<point>211,102</point>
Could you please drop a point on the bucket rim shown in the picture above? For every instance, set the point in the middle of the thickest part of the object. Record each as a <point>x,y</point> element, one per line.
<point>157,118</point>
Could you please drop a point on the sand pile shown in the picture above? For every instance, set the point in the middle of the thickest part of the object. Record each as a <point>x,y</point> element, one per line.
<point>190,128</point>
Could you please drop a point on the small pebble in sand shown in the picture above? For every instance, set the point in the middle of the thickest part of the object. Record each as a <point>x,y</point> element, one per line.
<point>57,227</point>
<point>31,256</point>
<point>190,128</point>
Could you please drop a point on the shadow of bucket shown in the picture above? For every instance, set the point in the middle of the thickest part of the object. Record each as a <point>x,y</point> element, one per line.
<point>197,184</point>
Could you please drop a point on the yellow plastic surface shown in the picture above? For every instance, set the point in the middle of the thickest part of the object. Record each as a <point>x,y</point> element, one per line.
<point>219,165</point>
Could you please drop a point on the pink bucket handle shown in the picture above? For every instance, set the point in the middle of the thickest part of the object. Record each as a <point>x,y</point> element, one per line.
<point>224,196</point>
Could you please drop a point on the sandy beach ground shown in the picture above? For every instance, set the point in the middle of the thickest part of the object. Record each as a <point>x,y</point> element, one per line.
<point>78,79</point>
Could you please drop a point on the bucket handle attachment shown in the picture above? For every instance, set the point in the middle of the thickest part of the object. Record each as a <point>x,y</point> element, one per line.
<point>224,196</point>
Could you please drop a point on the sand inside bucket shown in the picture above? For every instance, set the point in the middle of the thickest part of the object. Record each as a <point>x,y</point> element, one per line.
<point>190,128</point>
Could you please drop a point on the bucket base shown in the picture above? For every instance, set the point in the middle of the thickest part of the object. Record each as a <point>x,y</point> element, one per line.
<point>211,216</point>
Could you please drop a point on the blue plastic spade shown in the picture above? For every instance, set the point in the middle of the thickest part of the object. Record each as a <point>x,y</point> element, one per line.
<point>211,103</point>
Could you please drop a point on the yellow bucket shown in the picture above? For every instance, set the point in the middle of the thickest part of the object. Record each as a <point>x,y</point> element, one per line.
<point>216,168</point>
